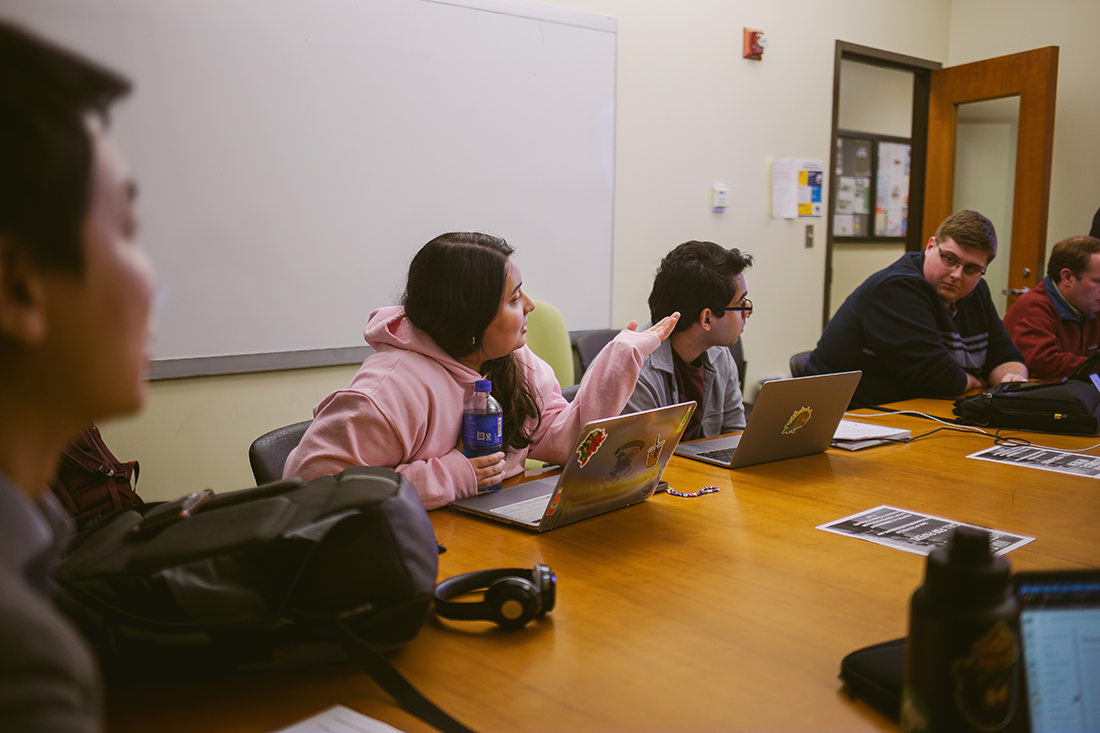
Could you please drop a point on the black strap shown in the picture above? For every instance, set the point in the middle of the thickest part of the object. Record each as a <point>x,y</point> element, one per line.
<point>394,683</point>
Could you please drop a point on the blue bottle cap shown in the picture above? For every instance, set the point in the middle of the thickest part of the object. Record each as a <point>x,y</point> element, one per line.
<point>483,385</point>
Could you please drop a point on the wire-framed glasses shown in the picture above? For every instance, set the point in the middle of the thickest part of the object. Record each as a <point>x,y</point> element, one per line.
<point>950,261</point>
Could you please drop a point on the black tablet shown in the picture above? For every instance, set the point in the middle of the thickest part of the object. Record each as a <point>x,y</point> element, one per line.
<point>1088,367</point>
<point>1060,640</point>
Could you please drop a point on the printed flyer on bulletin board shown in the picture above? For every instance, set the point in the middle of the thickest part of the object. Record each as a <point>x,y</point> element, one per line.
<point>796,188</point>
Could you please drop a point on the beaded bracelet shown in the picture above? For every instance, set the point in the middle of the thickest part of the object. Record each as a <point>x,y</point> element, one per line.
<point>693,494</point>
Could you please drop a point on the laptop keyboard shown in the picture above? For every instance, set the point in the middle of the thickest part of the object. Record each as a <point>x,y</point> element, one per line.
<point>529,511</point>
<point>725,455</point>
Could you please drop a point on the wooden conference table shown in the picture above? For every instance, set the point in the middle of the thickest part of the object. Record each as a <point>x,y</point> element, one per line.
<point>728,611</point>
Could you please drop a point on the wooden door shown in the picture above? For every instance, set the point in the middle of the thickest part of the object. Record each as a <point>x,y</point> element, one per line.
<point>1033,75</point>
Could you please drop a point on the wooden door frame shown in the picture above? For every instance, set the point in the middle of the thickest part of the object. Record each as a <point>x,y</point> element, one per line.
<point>921,70</point>
<point>1033,75</point>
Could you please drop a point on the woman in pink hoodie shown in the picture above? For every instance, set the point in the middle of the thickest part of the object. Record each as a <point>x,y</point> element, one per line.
<point>463,318</point>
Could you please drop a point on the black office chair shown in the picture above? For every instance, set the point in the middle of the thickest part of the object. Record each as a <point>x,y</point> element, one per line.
<point>800,364</point>
<point>737,351</point>
<point>589,344</point>
<point>268,453</point>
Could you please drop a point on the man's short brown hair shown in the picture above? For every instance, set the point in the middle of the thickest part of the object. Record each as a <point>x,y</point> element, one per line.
<point>970,230</point>
<point>1073,254</point>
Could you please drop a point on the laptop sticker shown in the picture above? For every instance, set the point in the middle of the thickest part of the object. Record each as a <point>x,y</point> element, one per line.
<point>683,422</point>
<point>590,446</point>
<point>654,453</point>
<point>798,420</point>
<point>624,455</point>
<point>553,506</point>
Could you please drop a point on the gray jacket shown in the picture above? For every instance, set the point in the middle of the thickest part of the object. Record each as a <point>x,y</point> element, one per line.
<point>49,681</point>
<point>723,411</point>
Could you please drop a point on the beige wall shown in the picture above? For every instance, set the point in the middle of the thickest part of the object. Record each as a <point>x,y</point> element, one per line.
<point>195,433</point>
<point>987,28</point>
<point>690,113</point>
<point>875,99</point>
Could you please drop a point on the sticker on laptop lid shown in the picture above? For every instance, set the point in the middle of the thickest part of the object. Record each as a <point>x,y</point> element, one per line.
<point>684,421</point>
<point>654,454</point>
<point>590,446</point>
<point>553,506</point>
<point>624,455</point>
<point>798,420</point>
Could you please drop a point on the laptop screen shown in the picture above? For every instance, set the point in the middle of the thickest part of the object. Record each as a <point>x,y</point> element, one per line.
<point>1060,630</point>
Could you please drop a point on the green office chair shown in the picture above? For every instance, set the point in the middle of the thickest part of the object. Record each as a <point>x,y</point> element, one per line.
<point>548,337</point>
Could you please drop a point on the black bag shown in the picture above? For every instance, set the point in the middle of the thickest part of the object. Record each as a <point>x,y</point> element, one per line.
<point>1061,407</point>
<point>90,481</point>
<point>876,675</point>
<point>281,575</point>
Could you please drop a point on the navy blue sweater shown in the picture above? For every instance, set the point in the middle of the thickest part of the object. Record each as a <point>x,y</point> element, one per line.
<point>897,330</point>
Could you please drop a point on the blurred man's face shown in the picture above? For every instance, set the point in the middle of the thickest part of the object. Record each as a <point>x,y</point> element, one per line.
<point>100,321</point>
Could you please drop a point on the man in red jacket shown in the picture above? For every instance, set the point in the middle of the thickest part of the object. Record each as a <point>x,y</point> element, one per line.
<point>1056,325</point>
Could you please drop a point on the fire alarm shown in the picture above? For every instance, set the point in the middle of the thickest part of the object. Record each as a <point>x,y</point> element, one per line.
<point>754,44</point>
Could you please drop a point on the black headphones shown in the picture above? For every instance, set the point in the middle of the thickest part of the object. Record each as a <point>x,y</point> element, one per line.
<point>513,596</point>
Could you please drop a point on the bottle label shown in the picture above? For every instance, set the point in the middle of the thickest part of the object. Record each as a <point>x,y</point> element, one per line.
<point>481,431</point>
<point>914,713</point>
<point>986,681</point>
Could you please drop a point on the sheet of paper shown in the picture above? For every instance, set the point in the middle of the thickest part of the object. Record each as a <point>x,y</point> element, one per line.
<point>846,194</point>
<point>339,719</point>
<point>913,531</point>
<point>853,435</point>
<point>784,188</point>
<point>1045,459</point>
<point>854,430</point>
<point>843,225</point>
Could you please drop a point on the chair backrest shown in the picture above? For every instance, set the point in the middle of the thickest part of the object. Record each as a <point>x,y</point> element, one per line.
<point>590,343</point>
<point>548,337</point>
<point>800,364</point>
<point>737,351</point>
<point>268,453</point>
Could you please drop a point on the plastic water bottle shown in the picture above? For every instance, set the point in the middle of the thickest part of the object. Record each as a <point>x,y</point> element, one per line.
<point>482,424</point>
<point>962,666</point>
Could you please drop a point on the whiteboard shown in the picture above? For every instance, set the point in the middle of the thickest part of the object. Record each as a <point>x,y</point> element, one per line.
<point>293,155</point>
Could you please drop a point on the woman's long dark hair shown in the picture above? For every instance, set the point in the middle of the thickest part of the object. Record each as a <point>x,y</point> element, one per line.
<point>454,291</point>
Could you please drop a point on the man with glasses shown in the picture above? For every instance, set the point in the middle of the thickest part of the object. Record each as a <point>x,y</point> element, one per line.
<point>705,283</point>
<point>925,326</point>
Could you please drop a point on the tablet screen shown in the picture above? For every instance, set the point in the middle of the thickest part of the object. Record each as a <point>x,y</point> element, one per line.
<point>1060,631</point>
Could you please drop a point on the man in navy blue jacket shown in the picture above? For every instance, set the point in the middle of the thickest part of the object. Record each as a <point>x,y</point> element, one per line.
<point>925,326</point>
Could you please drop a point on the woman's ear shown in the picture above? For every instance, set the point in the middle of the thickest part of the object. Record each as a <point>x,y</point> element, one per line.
<point>22,296</point>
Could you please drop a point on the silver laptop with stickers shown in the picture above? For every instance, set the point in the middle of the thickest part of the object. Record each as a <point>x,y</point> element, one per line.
<point>614,463</point>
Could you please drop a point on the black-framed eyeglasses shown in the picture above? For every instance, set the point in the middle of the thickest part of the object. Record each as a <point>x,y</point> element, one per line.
<point>746,308</point>
<point>950,261</point>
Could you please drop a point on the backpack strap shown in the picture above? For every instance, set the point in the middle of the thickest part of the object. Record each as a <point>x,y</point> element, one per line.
<point>392,681</point>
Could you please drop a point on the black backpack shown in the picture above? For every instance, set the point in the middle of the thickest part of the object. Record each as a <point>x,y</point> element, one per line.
<point>281,575</point>
<point>1059,407</point>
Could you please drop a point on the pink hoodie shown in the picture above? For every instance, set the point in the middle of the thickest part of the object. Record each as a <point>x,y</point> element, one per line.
<point>403,409</point>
